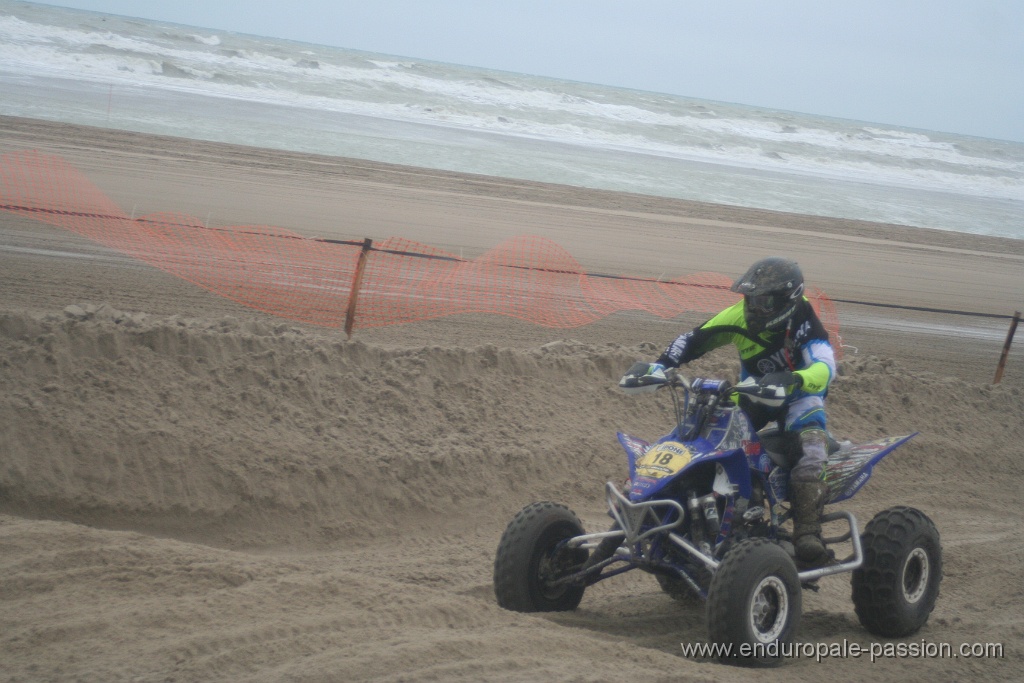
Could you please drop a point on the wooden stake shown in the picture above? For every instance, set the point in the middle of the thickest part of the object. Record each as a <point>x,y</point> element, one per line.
<point>1006,348</point>
<point>357,281</point>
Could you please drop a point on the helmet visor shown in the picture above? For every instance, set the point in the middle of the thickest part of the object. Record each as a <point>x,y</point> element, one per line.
<point>765,305</point>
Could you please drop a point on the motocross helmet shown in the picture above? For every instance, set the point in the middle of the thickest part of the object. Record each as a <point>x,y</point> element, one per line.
<point>772,289</point>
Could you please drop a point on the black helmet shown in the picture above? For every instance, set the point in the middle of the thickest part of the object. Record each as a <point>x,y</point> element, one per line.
<point>772,289</point>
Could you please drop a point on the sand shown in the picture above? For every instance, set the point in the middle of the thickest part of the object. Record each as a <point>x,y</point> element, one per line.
<point>191,490</point>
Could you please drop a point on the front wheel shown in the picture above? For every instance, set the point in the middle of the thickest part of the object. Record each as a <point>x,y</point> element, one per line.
<point>754,604</point>
<point>532,556</point>
<point>895,590</point>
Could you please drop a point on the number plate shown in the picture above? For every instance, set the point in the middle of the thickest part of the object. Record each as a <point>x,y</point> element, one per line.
<point>664,460</point>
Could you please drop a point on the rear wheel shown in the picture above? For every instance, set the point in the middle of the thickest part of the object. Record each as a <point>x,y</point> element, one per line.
<point>895,590</point>
<point>532,556</point>
<point>754,603</point>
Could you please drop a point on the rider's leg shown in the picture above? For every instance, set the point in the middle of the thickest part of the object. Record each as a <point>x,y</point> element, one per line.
<point>808,496</point>
<point>807,490</point>
<point>760,414</point>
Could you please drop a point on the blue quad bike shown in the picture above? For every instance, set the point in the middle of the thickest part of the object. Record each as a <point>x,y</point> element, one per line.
<point>704,511</point>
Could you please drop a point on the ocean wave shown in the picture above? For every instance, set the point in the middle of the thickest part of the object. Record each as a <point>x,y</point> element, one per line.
<point>175,71</point>
<point>874,156</point>
<point>381,64</point>
<point>453,100</point>
<point>476,99</point>
<point>206,40</point>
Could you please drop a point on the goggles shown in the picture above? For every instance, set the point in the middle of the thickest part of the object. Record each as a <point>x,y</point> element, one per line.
<point>765,304</point>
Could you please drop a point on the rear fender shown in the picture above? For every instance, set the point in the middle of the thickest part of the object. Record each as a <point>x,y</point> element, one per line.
<point>850,468</point>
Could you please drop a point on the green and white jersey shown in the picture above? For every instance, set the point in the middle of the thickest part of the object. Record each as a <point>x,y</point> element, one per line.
<point>803,347</point>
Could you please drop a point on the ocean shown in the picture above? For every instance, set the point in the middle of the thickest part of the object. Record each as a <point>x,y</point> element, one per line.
<point>153,77</point>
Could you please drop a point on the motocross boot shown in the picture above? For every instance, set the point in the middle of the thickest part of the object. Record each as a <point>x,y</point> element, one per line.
<point>808,501</point>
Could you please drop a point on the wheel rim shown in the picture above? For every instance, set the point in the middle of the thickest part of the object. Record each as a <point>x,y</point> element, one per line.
<point>555,563</point>
<point>769,609</point>
<point>915,575</point>
<point>546,572</point>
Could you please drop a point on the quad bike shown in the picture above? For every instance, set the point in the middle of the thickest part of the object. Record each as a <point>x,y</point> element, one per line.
<point>704,510</point>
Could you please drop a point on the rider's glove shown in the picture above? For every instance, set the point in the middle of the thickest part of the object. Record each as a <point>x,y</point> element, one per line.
<point>785,379</point>
<point>643,375</point>
<point>655,370</point>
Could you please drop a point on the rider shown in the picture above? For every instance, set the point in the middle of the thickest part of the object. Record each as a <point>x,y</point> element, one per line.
<point>781,342</point>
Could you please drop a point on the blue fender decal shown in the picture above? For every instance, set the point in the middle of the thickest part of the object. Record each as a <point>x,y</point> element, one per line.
<point>849,469</point>
<point>634,448</point>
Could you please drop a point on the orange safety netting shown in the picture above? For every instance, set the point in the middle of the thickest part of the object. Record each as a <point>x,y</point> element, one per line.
<point>311,280</point>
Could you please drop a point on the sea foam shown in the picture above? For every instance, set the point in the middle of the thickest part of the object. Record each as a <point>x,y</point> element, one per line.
<point>491,122</point>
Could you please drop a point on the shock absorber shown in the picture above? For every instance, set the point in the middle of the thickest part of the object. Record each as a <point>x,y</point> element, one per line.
<point>697,531</point>
<point>710,508</point>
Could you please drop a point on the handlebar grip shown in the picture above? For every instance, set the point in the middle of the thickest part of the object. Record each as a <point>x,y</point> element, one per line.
<point>710,385</point>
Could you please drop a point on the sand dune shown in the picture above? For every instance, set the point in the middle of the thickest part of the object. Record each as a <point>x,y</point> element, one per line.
<point>293,507</point>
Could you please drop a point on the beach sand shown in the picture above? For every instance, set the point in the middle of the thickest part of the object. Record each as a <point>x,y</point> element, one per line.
<point>192,490</point>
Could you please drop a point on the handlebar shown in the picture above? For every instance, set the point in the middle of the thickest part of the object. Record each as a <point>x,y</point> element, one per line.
<point>701,396</point>
<point>769,394</point>
<point>673,378</point>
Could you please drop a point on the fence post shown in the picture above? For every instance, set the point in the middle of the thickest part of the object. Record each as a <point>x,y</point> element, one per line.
<point>357,281</point>
<point>1006,348</point>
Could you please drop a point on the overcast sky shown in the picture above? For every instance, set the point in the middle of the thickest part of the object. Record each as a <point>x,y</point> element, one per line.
<point>946,65</point>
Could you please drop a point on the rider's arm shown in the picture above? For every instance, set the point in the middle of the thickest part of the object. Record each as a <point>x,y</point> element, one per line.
<point>819,366</point>
<point>703,338</point>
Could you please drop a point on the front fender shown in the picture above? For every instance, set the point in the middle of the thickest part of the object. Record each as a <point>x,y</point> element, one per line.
<point>654,467</point>
<point>737,468</point>
<point>635,448</point>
